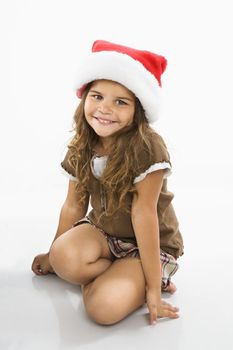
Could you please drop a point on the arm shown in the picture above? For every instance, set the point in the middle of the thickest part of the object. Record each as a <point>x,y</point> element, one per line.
<point>146,228</point>
<point>144,215</point>
<point>72,210</point>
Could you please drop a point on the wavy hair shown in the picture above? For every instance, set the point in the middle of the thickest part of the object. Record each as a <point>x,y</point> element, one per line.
<point>124,159</point>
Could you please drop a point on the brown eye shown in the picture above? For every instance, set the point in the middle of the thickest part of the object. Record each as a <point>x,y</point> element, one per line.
<point>97,97</point>
<point>121,102</point>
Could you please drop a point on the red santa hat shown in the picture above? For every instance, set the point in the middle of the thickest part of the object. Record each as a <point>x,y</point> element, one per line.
<point>138,70</point>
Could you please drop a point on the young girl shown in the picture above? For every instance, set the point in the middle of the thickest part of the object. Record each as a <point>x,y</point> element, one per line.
<point>124,252</point>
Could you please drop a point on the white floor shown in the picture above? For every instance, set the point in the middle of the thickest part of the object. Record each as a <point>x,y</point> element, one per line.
<point>48,313</point>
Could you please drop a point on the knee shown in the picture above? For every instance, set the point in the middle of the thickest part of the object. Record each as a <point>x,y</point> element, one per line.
<point>65,261</point>
<point>103,309</point>
<point>56,256</point>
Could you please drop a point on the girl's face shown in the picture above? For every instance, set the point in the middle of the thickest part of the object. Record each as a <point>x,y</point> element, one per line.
<point>109,107</point>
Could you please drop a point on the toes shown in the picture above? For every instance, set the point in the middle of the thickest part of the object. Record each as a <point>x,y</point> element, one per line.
<point>171,288</point>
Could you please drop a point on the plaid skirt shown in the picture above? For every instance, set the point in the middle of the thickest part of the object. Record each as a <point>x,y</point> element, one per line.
<point>121,249</point>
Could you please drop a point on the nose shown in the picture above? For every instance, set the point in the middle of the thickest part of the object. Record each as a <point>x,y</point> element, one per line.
<point>105,107</point>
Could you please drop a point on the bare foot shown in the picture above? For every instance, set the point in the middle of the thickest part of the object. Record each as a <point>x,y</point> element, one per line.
<point>170,289</point>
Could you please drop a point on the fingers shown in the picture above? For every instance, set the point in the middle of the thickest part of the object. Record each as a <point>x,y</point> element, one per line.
<point>169,313</point>
<point>153,313</point>
<point>167,305</point>
<point>167,310</point>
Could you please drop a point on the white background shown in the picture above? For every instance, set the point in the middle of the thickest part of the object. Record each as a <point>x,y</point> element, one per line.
<point>41,45</point>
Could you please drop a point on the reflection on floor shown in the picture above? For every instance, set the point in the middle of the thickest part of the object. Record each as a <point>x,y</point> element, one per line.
<point>48,313</point>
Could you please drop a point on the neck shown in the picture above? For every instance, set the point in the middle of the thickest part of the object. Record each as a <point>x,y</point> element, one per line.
<point>105,143</point>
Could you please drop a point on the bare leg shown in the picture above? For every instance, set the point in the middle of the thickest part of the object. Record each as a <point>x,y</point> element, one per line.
<point>116,293</point>
<point>80,255</point>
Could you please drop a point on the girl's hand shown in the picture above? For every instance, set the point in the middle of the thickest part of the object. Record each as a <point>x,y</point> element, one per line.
<point>159,308</point>
<point>41,265</point>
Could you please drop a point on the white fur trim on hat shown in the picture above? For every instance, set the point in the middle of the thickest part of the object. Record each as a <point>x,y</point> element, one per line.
<point>125,70</point>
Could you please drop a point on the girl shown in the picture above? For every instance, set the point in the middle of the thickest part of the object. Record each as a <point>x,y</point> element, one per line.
<point>123,253</point>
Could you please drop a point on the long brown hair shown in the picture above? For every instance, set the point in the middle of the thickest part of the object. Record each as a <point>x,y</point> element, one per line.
<point>123,163</point>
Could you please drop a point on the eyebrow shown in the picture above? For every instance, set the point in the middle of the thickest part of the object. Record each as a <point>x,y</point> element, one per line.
<point>118,97</point>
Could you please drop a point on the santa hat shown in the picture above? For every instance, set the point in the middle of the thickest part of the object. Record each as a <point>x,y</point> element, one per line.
<point>139,71</point>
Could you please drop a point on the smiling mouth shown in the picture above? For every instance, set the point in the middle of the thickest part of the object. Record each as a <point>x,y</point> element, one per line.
<point>105,121</point>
